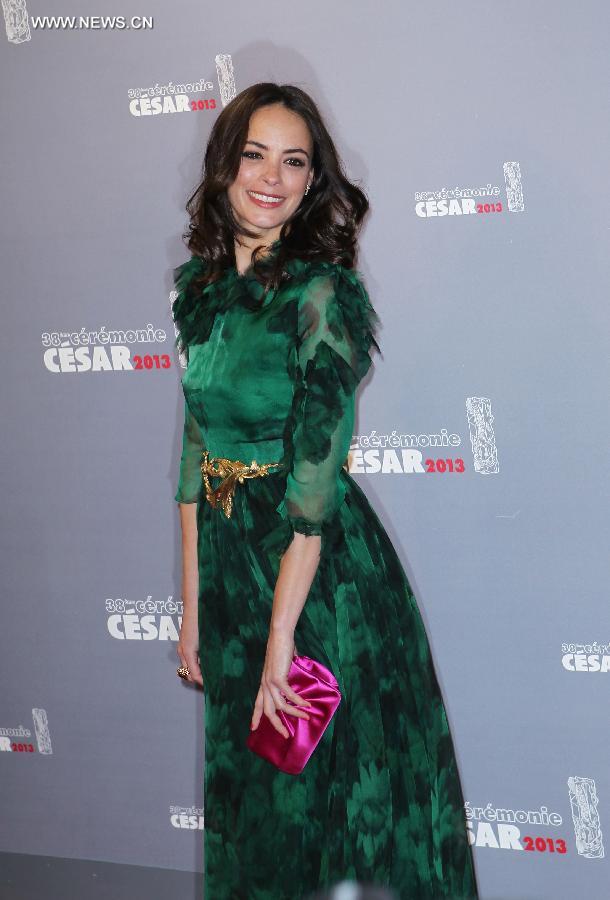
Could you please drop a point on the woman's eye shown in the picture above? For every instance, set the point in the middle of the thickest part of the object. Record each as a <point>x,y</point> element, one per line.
<point>254,154</point>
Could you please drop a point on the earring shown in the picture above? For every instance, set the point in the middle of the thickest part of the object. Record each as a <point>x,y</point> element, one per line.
<point>307,189</point>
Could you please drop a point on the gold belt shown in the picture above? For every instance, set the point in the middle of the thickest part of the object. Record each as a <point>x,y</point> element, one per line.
<point>232,471</point>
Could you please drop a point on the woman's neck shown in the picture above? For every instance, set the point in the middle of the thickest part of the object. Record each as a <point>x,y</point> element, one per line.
<point>243,252</point>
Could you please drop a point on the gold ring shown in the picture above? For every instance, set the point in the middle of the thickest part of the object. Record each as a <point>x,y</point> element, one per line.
<point>183,672</point>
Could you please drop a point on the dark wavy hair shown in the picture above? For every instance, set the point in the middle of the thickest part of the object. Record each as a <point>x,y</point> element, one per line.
<point>325,225</point>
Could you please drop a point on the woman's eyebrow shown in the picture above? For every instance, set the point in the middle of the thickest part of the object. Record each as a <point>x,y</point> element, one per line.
<point>291,150</point>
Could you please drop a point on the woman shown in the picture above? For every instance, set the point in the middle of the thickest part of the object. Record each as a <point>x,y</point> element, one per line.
<point>278,328</point>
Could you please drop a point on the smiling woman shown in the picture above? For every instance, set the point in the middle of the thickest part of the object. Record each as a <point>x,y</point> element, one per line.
<point>273,178</point>
<point>278,331</point>
<point>272,142</point>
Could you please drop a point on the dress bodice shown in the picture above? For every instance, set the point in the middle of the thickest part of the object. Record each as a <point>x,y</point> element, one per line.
<point>238,384</point>
<point>272,377</point>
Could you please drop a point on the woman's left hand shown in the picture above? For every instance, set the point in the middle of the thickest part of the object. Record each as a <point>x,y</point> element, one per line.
<point>274,682</point>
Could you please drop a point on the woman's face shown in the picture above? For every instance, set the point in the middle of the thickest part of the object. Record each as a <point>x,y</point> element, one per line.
<point>274,172</point>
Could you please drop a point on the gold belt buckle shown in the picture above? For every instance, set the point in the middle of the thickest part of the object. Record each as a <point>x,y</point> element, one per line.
<point>231,471</point>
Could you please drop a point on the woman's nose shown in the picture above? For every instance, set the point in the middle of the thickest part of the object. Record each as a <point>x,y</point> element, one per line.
<point>272,172</point>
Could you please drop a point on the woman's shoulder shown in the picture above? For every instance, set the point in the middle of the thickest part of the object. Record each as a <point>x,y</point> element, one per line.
<point>185,272</point>
<point>306,270</point>
<point>184,277</point>
<point>337,295</point>
<point>192,318</point>
<point>330,283</point>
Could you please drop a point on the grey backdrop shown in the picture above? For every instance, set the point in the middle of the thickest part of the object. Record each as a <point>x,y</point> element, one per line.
<point>495,328</point>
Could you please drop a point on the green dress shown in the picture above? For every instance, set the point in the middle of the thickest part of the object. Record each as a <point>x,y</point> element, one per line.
<point>273,378</point>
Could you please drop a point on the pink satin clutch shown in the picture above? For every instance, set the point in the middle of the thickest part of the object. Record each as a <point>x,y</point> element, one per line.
<point>314,682</point>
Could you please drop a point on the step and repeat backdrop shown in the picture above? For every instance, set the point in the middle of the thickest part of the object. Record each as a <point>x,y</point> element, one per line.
<point>478,133</point>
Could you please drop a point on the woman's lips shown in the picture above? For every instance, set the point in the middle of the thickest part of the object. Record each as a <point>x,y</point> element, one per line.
<point>270,202</point>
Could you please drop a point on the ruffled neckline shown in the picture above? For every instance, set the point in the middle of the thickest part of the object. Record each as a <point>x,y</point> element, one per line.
<point>246,290</point>
<point>194,311</point>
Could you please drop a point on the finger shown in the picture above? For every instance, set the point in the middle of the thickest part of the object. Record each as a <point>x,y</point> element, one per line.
<point>292,710</point>
<point>292,695</point>
<point>191,660</point>
<point>183,664</point>
<point>258,710</point>
<point>273,717</point>
<point>282,704</point>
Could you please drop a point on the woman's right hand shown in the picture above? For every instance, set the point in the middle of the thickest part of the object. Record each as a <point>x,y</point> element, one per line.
<point>188,643</point>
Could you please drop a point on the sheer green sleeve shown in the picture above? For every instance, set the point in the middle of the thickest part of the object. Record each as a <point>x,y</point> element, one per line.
<point>335,334</point>
<point>189,473</point>
<point>189,476</point>
<point>186,315</point>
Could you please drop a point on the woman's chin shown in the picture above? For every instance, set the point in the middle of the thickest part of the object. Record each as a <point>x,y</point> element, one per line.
<point>264,225</point>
